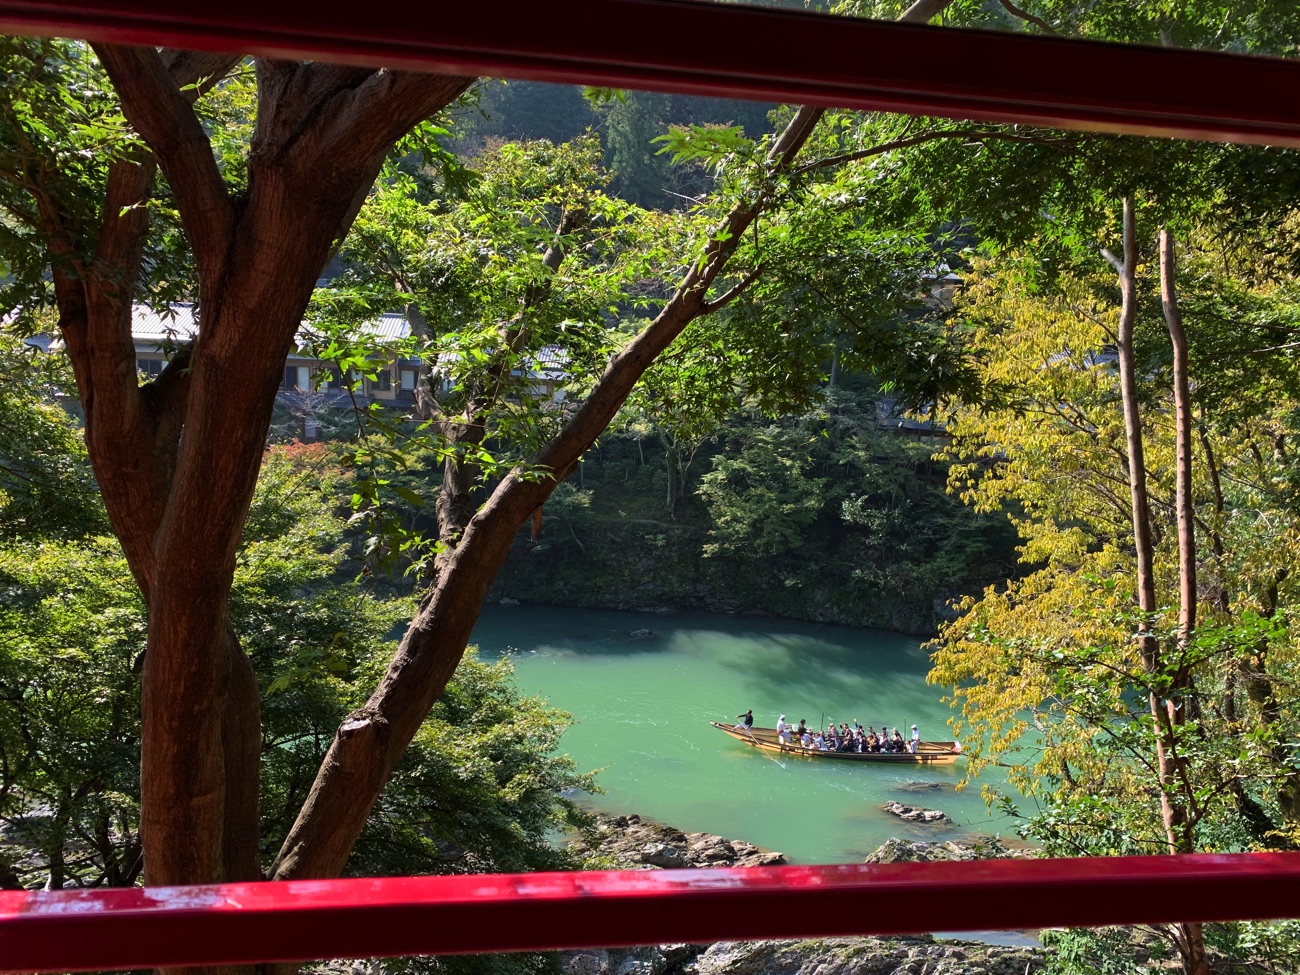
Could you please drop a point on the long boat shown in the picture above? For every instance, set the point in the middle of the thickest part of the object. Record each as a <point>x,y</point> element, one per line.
<point>767,740</point>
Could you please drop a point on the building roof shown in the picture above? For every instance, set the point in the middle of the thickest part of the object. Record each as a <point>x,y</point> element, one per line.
<point>175,323</point>
<point>391,326</point>
<point>179,322</point>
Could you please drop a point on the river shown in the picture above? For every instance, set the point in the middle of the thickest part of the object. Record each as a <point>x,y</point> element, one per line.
<point>642,707</point>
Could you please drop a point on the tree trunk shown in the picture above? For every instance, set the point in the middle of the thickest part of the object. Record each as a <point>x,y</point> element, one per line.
<point>1183,503</point>
<point>178,504</point>
<point>1191,936</point>
<point>1191,947</point>
<point>671,461</point>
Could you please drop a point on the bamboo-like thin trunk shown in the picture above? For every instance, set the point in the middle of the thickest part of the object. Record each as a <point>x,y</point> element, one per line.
<point>1191,936</point>
<point>1183,443</point>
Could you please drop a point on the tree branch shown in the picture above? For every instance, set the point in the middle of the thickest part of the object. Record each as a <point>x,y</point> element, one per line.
<point>358,112</point>
<point>974,135</point>
<point>156,108</point>
<point>1038,22</point>
<point>709,307</point>
<point>197,72</point>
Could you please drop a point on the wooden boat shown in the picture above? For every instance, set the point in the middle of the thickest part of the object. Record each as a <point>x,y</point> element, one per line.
<point>765,739</point>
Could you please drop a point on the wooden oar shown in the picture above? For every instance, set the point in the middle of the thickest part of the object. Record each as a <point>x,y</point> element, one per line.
<point>761,750</point>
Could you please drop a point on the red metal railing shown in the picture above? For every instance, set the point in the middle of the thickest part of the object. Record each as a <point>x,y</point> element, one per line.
<point>301,920</point>
<point>737,50</point>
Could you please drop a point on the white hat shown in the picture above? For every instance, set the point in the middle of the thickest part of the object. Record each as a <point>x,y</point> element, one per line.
<point>913,727</point>
<point>783,717</point>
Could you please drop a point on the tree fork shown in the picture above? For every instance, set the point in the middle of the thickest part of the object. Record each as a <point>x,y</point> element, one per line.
<point>178,506</point>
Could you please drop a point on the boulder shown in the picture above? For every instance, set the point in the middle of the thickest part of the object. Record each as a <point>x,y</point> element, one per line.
<point>867,956</point>
<point>915,814</point>
<point>982,848</point>
<point>665,856</point>
<point>706,849</point>
<point>761,859</point>
<point>634,843</point>
<point>589,961</point>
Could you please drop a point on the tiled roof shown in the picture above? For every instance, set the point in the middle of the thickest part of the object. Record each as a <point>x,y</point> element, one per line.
<point>175,324</point>
<point>550,362</point>
<point>551,358</point>
<point>389,327</point>
<point>178,323</point>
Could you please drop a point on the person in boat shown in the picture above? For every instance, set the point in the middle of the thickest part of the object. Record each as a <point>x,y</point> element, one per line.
<point>820,742</point>
<point>803,728</point>
<point>956,747</point>
<point>896,743</point>
<point>783,729</point>
<point>806,738</point>
<point>746,721</point>
<point>916,740</point>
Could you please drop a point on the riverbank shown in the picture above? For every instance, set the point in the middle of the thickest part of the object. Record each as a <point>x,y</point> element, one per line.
<point>631,842</point>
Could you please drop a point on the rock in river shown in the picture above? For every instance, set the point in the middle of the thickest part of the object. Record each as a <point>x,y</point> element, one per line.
<point>915,814</point>
<point>637,844</point>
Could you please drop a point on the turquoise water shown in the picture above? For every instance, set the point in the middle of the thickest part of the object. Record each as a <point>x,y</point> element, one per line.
<point>642,707</point>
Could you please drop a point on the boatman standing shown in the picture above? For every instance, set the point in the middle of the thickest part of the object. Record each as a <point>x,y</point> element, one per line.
<point>746,720</point>
<point>782,731</point>
<point>916,740</point>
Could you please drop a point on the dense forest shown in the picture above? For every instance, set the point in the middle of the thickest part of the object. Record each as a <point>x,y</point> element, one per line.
<point>1075,461</point>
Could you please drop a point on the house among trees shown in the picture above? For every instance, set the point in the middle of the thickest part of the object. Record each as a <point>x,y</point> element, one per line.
<point>157,335</point>
<point>311,387</point>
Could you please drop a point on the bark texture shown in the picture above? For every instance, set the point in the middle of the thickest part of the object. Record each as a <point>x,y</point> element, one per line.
<point>178,503</point>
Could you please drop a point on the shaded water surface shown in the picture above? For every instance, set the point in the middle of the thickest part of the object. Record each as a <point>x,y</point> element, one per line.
<point>642,706</point>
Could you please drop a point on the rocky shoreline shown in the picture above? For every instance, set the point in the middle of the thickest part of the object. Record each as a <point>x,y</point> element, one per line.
<point>631,842</point>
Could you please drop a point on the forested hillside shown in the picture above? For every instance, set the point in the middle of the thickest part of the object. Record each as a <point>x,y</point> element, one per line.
<point>823,516</point>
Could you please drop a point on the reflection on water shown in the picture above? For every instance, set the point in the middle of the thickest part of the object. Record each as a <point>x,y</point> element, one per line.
<point>643,705</point>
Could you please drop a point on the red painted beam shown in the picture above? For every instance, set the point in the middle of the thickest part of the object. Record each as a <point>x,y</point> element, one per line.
<point>737,50</point>
<point>301,920</point>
